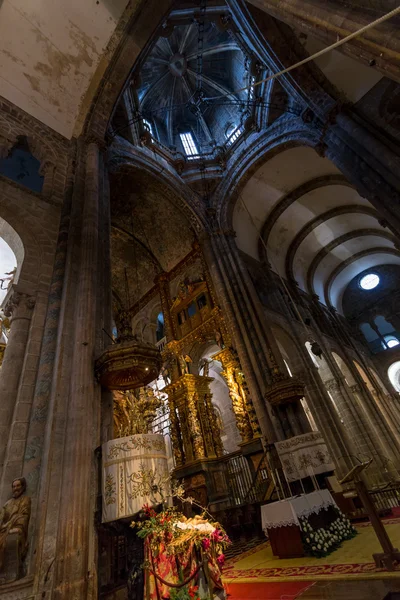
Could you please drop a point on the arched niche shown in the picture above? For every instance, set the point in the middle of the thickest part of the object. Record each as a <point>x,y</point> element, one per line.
<point>220,395</point>
<point>344,368</point>
<point>11,240</point>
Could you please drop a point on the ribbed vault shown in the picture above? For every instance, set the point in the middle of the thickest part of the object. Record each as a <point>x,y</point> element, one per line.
<point>316,230</point>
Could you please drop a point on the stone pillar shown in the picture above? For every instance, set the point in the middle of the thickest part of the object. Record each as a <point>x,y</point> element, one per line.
<point>75,573</point>
<point>169,325</point>
<point>368,164</point>
<point>375,328</point>
<point>20,308</point>
<point>245,325</point>
<point>335,20</point>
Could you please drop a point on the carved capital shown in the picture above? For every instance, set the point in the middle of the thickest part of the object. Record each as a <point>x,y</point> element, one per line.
<point>19,306</point>
<point>332,385</point>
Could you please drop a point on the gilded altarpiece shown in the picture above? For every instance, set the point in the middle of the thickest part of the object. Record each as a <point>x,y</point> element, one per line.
<point>194,431</point>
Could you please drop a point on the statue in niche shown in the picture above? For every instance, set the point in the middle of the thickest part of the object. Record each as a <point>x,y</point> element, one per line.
<point>184,362</point>
<point>218,339</point>
<point>205,365</point>
<point>166,373</point>
<point>14,521</point>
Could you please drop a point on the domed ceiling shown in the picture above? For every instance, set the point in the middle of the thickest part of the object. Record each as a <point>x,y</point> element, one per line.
<point>178,80</point>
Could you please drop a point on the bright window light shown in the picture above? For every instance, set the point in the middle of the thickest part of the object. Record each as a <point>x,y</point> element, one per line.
<point>369,281</point>
<point>391,342</point>
<point>148,126</point>
<point>251,90</point>
<point>188,145</point>
<point>233,135</point>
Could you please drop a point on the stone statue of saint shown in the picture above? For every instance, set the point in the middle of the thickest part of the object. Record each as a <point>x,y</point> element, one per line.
<point>14,519</point>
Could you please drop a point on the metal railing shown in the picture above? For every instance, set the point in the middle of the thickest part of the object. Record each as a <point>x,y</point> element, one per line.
<point>246,487</point>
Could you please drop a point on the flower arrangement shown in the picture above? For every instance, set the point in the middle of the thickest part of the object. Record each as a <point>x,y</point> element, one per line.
<point>172,538</point>
<point>321,542</point>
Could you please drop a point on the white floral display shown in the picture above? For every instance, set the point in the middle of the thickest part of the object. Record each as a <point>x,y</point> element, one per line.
<point>321,542</point>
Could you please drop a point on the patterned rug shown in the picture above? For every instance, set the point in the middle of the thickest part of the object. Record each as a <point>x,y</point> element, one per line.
<point>267,591</point>
<point>352,561</point>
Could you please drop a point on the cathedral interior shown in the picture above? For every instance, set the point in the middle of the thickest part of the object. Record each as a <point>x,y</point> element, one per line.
<point>199,299</point>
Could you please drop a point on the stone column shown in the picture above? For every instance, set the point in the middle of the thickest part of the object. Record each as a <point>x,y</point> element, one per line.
<point>163,284</point>
<point>75,573</point>
<point>371,166</point>
<point>243,324</point>
<point>20,308</point>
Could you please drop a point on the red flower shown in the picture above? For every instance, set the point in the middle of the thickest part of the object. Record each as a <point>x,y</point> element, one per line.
<point>221,559</point>
<point>206,543</point>
<point>193,591</point>
<point>217,535</point>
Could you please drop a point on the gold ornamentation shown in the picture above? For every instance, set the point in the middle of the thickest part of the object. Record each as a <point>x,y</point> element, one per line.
<point>194,432</point>
<point>148,482</point>
<point>134,411</point>
<point>128,365</point>
<point>110,490</point>
<point>243,408</point>
<point>285,391</point>
<point>136,444</point>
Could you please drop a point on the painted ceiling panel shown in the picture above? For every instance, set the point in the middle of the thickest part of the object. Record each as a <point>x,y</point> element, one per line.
<point>49,52</point>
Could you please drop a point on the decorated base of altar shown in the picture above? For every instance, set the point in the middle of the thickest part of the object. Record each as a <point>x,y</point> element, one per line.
<point>183,557</point>
<point>310,524</point>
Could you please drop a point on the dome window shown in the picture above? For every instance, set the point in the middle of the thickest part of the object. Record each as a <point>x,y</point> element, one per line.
<point>189,145</point>
<point>369,281</point>
<point>232,134</point>
<point>148,127</point>
<point>391,341</point>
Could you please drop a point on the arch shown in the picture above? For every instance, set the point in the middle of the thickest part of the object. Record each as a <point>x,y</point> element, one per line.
<point>13,240</point>
<point>286,133</point>
<point>123,158</point>
<point>394,375</point>
<point>25,241</point>
<point>365,377</point>
<point>334,274</point>
<point>332,245</point>
<point>319,220</point>
<point>290,198</point>
<point>344,368</point>
<point>130,41</point>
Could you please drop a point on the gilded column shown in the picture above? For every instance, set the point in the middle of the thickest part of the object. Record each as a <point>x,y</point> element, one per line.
<point>20,309</point>
<point>75,573</point>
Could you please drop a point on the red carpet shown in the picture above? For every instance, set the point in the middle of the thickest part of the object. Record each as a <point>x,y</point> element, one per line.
<point>266,591</point>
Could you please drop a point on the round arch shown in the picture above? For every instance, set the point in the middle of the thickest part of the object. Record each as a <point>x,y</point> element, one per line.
<point>394,375</point>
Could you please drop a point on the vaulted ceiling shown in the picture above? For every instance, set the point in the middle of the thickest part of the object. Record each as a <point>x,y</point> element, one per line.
<point>317,230</point>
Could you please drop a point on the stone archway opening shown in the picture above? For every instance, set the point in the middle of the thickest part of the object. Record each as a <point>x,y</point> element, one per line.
<point>394,375</point>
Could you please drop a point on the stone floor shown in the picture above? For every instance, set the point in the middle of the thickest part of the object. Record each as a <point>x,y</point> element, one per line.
<point>372,589</point>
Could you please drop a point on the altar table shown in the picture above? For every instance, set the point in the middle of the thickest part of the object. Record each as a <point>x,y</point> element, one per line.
<point>280,520</point>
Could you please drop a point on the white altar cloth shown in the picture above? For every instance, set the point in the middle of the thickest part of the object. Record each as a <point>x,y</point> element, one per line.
<point>287,512</point>
<point>134,468</point>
